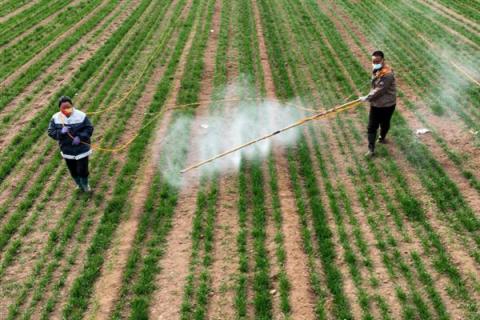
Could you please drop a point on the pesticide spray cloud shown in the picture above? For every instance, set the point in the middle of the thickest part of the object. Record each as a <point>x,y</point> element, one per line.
<point>455,77</point>
<point>226,125</point>
<point>449,83</point>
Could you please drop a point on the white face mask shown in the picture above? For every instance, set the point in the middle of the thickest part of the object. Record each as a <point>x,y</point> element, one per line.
<point>377,66</point>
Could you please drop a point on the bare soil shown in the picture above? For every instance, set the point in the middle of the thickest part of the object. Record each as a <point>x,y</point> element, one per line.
<point>174,265</point>
<point>302,299</point>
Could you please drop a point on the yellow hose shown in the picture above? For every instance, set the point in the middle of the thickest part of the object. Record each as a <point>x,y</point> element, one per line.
<point>465,74</point>
<point>156,116</point>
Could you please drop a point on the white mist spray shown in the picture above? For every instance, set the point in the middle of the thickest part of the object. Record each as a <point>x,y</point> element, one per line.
<point>455,75</point>
<point>227,125</point>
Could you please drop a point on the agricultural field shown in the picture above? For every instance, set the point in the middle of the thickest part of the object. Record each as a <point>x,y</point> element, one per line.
<point>299,226</point>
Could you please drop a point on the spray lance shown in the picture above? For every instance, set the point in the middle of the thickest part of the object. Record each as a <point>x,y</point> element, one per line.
<point>329,112</point>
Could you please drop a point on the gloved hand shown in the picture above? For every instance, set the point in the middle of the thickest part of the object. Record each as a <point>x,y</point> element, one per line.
<point>65,129</point>
<point>76,141</point>
<point>363,98</point>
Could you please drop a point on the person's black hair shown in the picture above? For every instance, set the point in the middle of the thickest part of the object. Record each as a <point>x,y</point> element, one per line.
<point>64,99</point>
<point>378,53</point>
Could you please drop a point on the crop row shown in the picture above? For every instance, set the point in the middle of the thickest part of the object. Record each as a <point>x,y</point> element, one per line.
<point>10,6</point>
<point>123,113</point>
<point>252,211</point>
<point>441,23</point>
<point>331,62</point>
<point>440,98</point>
<point>323,240</point>
<point>445,202</point>
<point>24,50</point>
<point>405,200</point>
<point>29,98</point>
<point>28,18</point>
<point>140,271</point>
<point>83,284</point>
<point>467,9</point>
<point>52,55</point>
<point>33,168</point>
<point>199,281</point>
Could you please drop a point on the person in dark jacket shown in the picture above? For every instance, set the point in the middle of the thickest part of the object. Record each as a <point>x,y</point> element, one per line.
<point>73,130</point>
<point>382,98</point>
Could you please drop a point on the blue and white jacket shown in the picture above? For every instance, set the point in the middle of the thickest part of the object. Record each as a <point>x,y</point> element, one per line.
<point>80,126</point>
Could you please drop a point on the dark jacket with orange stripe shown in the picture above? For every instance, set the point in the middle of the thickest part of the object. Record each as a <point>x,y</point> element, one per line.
<point>384,89</point>
<point>80,126</point>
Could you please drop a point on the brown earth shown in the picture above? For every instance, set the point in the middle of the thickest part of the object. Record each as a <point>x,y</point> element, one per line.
<point>42,23</point>
<point>7,81</point>
<point>301,297</point>
<point>18,10</point>
<point>452,15</point>
<point>440,125</point>
<point>416,184</point>
<point>167,299</point>
<point>83,248</point>
<point>108,286</point>
<point>225,263</point>
<point>44,96</point>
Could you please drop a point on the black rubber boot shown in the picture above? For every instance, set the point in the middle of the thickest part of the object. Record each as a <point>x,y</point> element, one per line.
<point>78,182</point>
<point>371,145</point>
<point>84,184</point>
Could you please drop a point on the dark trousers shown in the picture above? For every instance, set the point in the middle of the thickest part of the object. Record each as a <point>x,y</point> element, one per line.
<point>378,117</point>
<point>78,168</point>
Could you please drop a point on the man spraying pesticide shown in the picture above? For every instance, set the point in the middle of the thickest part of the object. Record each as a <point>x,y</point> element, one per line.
<point>382,98</point>
<point>73,130</point>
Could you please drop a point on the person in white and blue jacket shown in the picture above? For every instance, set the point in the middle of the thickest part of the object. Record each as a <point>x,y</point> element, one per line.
<point>73,130</point>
